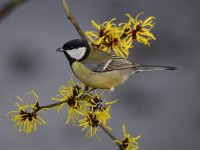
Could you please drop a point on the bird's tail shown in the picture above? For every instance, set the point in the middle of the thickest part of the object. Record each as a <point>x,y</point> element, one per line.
<point>152,68</point>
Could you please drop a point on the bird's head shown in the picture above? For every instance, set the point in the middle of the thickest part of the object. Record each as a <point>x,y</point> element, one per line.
<point>75,50</point>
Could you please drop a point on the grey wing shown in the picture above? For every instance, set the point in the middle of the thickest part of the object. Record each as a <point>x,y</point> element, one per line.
<point>115,63</point>
<point>99,61</point>
<point>119,63</point>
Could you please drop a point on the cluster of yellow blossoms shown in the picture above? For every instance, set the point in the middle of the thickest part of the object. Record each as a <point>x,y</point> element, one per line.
<point>120,38</point>
<point>128,142</point>
<point>26,115</point>
<point>84,110</point>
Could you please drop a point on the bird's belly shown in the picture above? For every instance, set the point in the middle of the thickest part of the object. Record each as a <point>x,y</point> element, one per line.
<point>104,80</point>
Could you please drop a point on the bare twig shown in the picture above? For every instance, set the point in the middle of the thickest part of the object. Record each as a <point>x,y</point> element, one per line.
<point>110,135</point>
<point>9,7</point>
<point>73,20</point>
<point>107,132</point>
<point>39,108</point>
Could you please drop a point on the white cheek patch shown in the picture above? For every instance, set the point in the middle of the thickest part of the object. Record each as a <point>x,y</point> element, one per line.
<point>77,53</point>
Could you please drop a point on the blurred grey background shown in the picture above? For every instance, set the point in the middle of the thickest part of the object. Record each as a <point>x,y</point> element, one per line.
<point>163,107</point>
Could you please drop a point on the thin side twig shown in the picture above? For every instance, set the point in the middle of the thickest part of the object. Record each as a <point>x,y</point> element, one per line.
<point>73,20</point>
<point>9,7</point>
<point>110,135</point>
<point>48,106</point>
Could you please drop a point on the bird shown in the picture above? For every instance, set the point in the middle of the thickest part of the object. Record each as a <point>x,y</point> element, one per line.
<point>98,69</point>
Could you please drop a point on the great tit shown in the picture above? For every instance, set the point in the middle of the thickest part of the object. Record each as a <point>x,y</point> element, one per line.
<point>98,69</point>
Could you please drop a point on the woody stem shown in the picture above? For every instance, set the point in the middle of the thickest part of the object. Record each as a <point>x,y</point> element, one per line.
<point>48,106</point>
<point>82,35</point>
<point>110,135</point>
<point>73,20</point>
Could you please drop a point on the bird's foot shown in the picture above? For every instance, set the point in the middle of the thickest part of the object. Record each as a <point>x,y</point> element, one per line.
<point>100,105</point>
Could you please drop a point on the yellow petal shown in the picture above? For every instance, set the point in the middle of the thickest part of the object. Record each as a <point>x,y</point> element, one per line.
<point>95,25</point>
<point>148,21</point>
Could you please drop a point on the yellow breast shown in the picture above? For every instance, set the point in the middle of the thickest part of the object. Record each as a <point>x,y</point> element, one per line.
<point>104,80</point>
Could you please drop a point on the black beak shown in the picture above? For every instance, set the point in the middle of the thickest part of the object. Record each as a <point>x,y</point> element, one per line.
<point>60,49</point>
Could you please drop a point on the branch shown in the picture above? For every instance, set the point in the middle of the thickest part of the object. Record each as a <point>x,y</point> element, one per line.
<point>39,108</point>
<point>110,135</point>
<point>73,20</point>
<point>77,27</point>
<point>9,7</point>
